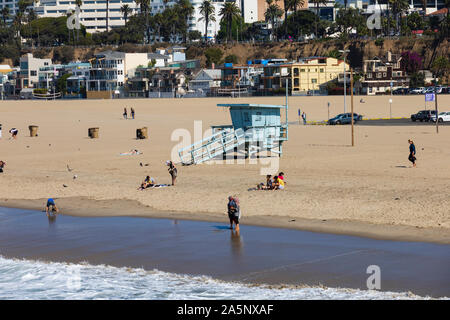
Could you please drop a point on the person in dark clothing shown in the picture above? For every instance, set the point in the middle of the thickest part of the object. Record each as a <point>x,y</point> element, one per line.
<point>2,165</point>
<point>234,212</point>
<point>132,113</point>
<point>172,170</point>
<point>125,114</point>
<point>412,152</point>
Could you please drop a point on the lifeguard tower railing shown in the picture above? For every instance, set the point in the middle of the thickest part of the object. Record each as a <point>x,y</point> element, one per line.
<point>218,143</point>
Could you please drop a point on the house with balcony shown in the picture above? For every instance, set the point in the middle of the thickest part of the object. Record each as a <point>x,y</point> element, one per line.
<point>206,80</point>
<point>157,82</point>
<point>109,72</point>
<point>28,76</point>
<point>382,74</point>
<point>273,80</point>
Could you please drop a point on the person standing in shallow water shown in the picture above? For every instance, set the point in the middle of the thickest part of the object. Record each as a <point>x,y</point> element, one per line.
<point>234,212</point>
<point>412,152</point>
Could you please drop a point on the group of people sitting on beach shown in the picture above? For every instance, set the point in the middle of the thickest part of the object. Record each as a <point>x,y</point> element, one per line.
<point>149,182</point>
<point>275,183</point>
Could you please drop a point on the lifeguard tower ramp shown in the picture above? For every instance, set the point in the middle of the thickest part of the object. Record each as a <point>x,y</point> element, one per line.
<point>255,128</point>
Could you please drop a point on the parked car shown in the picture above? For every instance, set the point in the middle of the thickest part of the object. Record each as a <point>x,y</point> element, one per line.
<point>442,117</point>
<point>423,115</point>
<point>428,90</point>
<point>415,90</point>
<point>400,91</point>
<point>345,118</point>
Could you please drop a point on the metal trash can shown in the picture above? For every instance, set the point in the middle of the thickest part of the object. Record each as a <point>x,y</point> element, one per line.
<point>33,130</point>
<point>142,133</point>
<point>93,133</point>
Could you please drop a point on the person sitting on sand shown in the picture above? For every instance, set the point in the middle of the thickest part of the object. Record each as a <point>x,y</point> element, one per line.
<point>281,176</point>
<point>147,183</point>
<point>275,183</point>
<point>2,165</point>
<point>280,183</point>
<point>234,212</point>
<point>268,185</point>
<point>54,208</point>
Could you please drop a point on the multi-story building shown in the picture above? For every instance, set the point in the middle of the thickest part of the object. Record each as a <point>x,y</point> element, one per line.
<point>311,75</point>
<point>110,70</point>
<point>29,71</point>
<point>206,80</point>
<point>382,74</point>
<point>92,12</point>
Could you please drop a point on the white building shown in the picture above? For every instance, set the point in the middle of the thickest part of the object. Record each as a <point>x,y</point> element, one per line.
<point>29,70</point>
<point>92,12</point>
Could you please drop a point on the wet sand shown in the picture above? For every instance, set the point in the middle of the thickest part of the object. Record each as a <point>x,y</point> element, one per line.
<point>259,255</point>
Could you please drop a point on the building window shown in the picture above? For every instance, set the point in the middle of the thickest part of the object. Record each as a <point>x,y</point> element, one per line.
<point>296,82</point>
<point>378,75</point>
<point>302,70</point>
<point>369,75</point>
<point>313,80</point>
<point>33,73</point>
<point>321,70</point>
<point>296,72</point>
<point>384,74</point>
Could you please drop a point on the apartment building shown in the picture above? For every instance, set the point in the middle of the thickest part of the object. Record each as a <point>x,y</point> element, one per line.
<point>92,12</point>
<point>310,75</point>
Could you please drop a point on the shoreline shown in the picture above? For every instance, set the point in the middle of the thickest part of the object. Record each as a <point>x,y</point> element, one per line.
<point>86,207</point>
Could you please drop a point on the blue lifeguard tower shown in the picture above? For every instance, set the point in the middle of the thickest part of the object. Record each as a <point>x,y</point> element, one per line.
<point>255,128</point>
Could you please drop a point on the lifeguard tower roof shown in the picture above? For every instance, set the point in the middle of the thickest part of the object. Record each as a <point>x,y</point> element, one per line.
<point>250,105</point>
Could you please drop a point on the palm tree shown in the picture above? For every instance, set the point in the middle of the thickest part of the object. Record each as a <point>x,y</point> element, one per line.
<point>272,13</point>
<point>318,3</point>
<point>144,6</point>
<point>398,7</point>
<point>228,12</point>
<point>186,10</point>
<point>78,3</point>
<point>207,11</point>
<point>158,20</point>
<point>5,14</point>
<point>107,15</point>
<point>295,4</point>
<point>126,10</point>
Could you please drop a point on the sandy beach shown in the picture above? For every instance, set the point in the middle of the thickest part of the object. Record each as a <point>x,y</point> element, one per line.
<point>368,189</point>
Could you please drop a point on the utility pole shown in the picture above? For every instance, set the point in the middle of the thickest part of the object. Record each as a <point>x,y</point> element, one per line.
<point>351,92</point>
<point>436,104</point>
<point>345,79</point>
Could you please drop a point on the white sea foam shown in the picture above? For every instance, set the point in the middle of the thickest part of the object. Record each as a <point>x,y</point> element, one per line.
<point>26,279</point>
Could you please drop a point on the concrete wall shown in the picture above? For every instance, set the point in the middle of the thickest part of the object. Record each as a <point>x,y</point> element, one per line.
<point>98,94</point>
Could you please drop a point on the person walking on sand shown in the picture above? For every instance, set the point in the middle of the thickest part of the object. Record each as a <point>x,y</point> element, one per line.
<point>304,118</point>
<point>412,152</point>
<point>14,133</point>
<point>2,165</point>
<point>172,170</point>
<point>132,113</point>
<point>53,209</point>
<point>234,212</point>
<point>125,114</point>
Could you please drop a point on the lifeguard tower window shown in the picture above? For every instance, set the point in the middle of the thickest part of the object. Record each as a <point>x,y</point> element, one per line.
<point>246,117</point>
<point>258,116</point>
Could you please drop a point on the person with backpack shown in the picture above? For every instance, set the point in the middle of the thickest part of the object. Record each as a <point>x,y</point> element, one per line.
<point>234,212</point>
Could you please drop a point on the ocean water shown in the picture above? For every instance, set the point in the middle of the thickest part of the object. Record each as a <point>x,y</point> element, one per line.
<point>30,279</point>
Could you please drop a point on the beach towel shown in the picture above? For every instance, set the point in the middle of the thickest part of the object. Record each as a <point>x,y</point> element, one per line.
<point>131,153</point>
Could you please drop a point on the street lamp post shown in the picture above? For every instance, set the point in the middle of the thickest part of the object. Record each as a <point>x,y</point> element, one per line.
<point>345,79</point>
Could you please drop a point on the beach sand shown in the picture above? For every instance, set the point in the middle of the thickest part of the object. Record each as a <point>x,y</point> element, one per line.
<point>368,189</point>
